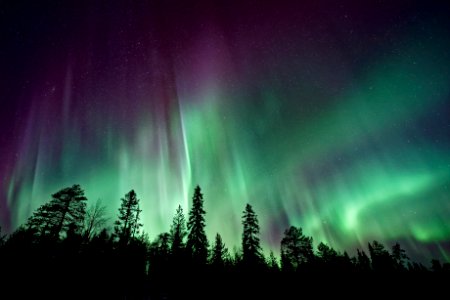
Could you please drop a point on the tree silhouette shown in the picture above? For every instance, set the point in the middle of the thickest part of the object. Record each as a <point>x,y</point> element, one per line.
<point>160,251</point>
<point>2,237</point>
<point>41,220</point>
<point>197,243</point>
<point>251,249</point>
<point>159,268</point>
<point>296,249</point>
<point>127,225</point>
<point>95,219</point>
<point>53,249</point>
<point>328,257</point>
<point>347,263</point>
<point>363,261</point>
<point>236,256</point>
<point>100,259</point>
<point>67,208</point>
<point>177,244</point>
<point>436,265</point>
<point>446,267</point>
<point>272,262</point>
<point>326,253</point>
<point>381,259</point>
<point>416,267</point>
<point>137,257</point>
<point>399,256</point>
<point>178,233</point>
<point>219,253</point>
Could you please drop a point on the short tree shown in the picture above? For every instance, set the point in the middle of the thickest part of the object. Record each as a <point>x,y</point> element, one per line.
<point>219,253</point>
<point>296,249</point>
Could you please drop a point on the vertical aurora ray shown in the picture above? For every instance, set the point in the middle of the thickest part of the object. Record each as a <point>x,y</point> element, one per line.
<point>297,118</point>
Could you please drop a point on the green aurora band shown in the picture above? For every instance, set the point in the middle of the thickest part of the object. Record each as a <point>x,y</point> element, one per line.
<point>347,170</point>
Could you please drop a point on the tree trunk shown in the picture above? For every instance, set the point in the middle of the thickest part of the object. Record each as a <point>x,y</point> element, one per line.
<point>63,217</point>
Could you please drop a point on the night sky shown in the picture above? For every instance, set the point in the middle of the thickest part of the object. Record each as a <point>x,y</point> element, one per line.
<point>330,116</point>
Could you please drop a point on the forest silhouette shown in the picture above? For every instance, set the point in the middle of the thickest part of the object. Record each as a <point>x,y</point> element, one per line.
<point>65,249</point>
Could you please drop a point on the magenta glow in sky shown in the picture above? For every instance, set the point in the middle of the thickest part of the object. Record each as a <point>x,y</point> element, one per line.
<point>332,117</point>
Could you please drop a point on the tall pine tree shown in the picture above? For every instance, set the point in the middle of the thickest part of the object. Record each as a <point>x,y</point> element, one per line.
<point>127,225</point>
<point>197,243</point>
<point>251,249</point>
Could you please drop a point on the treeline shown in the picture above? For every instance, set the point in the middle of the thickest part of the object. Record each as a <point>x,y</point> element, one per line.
<point>65,241</point>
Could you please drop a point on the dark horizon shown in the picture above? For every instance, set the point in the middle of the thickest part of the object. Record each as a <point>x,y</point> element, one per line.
<point>65,244</point>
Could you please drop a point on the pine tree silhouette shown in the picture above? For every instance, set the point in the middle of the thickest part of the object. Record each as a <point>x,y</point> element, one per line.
<point>363,261</point>
<point>177,235</point>
<point>328,257</point>
<point>127,225</point>
<point>326,253</point>
<point>52,248</point>
<point>178,230</point>
<point>251,249</point>
<point>159,252</point>
<point>272,262</point>
<point>399,256</point>
<point>197,243</point>
<point>296,249</point>
<point>219,253</point>
<point>67,208</point>
<point>381,259</point>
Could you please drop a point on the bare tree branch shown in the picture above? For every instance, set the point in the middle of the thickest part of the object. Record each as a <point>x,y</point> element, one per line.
<point>95,219</point>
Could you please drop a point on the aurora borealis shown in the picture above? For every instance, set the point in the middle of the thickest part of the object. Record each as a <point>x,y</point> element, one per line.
<point>332,117</point>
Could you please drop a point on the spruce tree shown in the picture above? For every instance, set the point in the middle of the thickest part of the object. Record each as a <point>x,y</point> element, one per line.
<point>178,234</point>
<point>197,243</point>
<point>251,249</point>
<point>219,253</point>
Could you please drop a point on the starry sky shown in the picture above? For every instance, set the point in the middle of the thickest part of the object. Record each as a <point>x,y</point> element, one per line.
<point>330,116</point>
